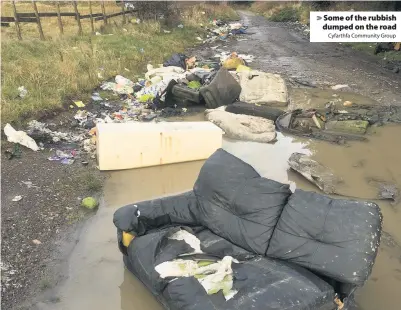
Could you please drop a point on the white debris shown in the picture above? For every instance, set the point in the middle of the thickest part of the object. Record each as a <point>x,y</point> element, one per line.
<point>190,239</point>
<point>339,86</point>
<point>55,135</point>
<point>177,268</point>
<point>214,277</point>
<point>180,26</point>
<point>29,184</point>
<point>36,241</point>
<point>20,137</point>
<point>17,198</point>
<point>22,91</point>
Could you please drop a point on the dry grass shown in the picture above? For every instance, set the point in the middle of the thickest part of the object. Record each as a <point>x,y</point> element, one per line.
<point>58,70</point>
<point>298,10</point>
<point>283,11</point>
<point>50,24</point>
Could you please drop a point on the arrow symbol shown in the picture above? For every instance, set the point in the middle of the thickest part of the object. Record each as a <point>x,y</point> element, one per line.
<point>319,17</point>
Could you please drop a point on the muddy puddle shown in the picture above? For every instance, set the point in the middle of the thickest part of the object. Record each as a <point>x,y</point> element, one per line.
<point>98,279</point>
<point>308,98</point>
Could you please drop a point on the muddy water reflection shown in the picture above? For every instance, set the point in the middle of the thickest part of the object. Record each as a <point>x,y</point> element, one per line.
<point>380,158</point>
<point>98,279</point>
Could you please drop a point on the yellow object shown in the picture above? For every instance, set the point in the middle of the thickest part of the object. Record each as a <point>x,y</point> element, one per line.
<point>79,104</point>
<point>242,68</point>
<point>233,62</point>
<point>127,238</point>
<point>347,103</point>
<point>397,46</point>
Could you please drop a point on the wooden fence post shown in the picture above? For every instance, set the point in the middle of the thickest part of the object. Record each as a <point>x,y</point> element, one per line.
<point>78,18</point>
<point>104,13</point>
<point>17,28</point>
<point>60,23</point>
<point>35,8</point>
<point>123,9</point>
<point>91,17</point>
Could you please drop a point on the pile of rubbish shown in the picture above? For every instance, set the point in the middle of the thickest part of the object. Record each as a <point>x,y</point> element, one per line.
<point>222,30</point>
<point>165,90</point>
<point>337,122</point>
<point>246,104</point>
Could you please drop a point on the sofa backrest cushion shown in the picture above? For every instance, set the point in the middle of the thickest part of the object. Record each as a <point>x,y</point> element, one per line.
<point>333,237</point>
<point>236,203</point>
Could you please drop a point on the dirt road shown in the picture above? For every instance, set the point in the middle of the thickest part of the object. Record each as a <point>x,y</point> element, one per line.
<point>95,277</point>
<point>281,48</point>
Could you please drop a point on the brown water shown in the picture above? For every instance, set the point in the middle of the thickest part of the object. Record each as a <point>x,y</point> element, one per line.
<point>98,279</point>
<point>308,98</point>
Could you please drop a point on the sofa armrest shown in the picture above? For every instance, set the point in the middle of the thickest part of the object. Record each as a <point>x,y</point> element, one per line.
<point>152,214</point>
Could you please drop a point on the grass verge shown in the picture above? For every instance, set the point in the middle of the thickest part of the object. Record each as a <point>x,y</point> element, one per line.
<point>285,11</point>
<point>282,11</point>
<point>61,69</point>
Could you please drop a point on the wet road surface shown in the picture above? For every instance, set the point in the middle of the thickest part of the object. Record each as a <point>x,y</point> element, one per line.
<point>97,278</point>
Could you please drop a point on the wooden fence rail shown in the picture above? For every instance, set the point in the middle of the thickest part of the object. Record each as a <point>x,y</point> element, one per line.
<point>35,17</point>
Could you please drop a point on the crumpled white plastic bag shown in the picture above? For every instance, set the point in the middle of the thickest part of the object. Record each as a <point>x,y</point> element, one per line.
<point>20,137</point>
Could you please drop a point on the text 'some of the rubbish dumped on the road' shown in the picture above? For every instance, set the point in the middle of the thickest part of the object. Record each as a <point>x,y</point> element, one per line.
<point>355,26</point>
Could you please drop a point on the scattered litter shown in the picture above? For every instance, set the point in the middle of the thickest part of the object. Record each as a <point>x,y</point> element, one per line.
<point>22,91</point>
<point>339,86</point>
<point>29,184</point>
<point>36,241</point>
<point>17,198</point>
<point>149,117</point>
<point>96,97</point>
<point>315,172</point>
<point>66,158</point>
<point>347,103</point>
<point>120,80</point>
<point>386,190</point>
<point>89,203</point>
<point>180,26</point>
<point>98,33</point>
<point>20,137</point>
<point>40,132</point>
<point>166,31</point>
<point>199,38</point>
<point>233,61</point>
<point>79,104</point>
